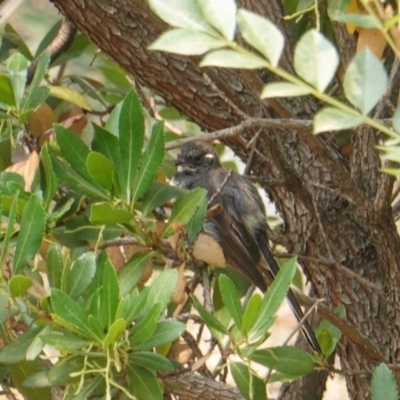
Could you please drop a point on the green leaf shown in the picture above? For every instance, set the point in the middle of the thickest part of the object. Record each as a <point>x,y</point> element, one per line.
<point>114,332</point>
<point>18,375</point>
<point>262,34</point>
<point>30,234</point>
<point>132,271</point>
<point>54,265</point>
<point>70,314</point>
<point>289,360</point>
<point>109,295</point>
<point>112,124</point>
<point>365,81</point>
<point>182,14</point>
<point>19,284</point>
<point>195,225</point>
<point>75,181</point>
<point>283,89</point>
<point>75,153</point>
<point>48,38</point>
<point>81,274</point>
<point>383,384</point>
<point>221,15</point>
<point>184,209</point>
<point>158,194</point>
<point>51,181</point>
<point>330,335</point>
<point>250,386</point>
<point>185,41</point>
<point>333,119</point>
<point>16,351</point>
<point>143,384</point>
<point>361,20</point>
<point>233,59</point>
<point>64,341</point>
<point>70,95</point>
<point>152,159</point>
<point>10,227</point>
<point>316,60</point>
<point>6,94</point>
<point>151,361</point>
<point>166,332</point>
<point>145,328</point>
<point>131,136</point>
<point>396,120</point>
<point>37,94</point>
<point>162,288</point>
<point>101,169</point>
<point>208,318</point>
<point>230,297</point>
<point>250,313</point>
<point>273,298</point>
<point>102,213</point>
<point>17,68</point>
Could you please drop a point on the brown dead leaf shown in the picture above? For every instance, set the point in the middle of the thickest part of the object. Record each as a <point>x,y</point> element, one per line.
<point>41,120</point>
<point>180,352</point>
<point>179,295</point>
<point>76,123</point>
<point>208,250</point>
<point>130,250</point>
<point>371,38</point>
<point>199,363</point>
<point>148,271</point>
<point>27,169</point>
<point>116,257</point>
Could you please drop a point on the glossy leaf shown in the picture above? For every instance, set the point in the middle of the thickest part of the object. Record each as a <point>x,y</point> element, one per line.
<point>30,234</point>
<point>157,195</point>
<point>132,271</point>
<point>81,274</point>
<point>145,328</point>
<point>233,59</point>
<point>383,384</point>
<point>184,209</point>
<point>162,288</point>
<point>230,297</point>
<point>101,169</point>
<point>262,34</point>
<point>152,159</point>
<point>208,318</point>
<point>250,386</point>
<point>17,68</point>
<point>289,360</point>
<point>195,225</point>
<point>131,137</point>
<point>333,119</point>
<point>185,41</point>
<point>273,298</point>
<point>70,95</point>
<point>51,181</point>
<point>6,94</point>
<point>221,15</point>
<point>316,60</point>
<point>75,181</point>
<point>10,227</point>
<point>115,331</point>
<point>182,14</point>
<point>143,384</point>
<point>151,361</point>
<point>166,332</point>
<point>250,312</point>
<point>37,94</point>
<point>365,81</point>
<point>283,89</point>
<point>19,284</point>
<point>69,314</point>
<point>102,213</point>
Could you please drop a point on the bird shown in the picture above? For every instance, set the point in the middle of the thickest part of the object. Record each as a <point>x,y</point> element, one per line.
<point>239,226</point>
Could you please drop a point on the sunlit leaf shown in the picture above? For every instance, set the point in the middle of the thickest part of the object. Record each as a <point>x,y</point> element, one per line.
<point>70,95</point>
<point>233,59</point>
<point>333,119</point>
<point>283,89</point>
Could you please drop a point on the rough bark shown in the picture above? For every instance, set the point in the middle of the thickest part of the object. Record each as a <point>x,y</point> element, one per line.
<point>336,208</point>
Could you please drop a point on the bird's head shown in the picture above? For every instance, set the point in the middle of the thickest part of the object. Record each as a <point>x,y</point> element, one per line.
<point>195,156</point>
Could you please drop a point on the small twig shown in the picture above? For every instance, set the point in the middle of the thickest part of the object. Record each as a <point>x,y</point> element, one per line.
<point>224,182</point>
<point>192,343</point>
<point>208,304</point>
<point>251,143</point>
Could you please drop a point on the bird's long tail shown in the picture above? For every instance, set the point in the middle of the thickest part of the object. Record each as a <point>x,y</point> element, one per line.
<point>297,311</point>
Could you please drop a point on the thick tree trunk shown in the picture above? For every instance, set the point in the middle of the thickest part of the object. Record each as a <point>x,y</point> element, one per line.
<point>336,208</point>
